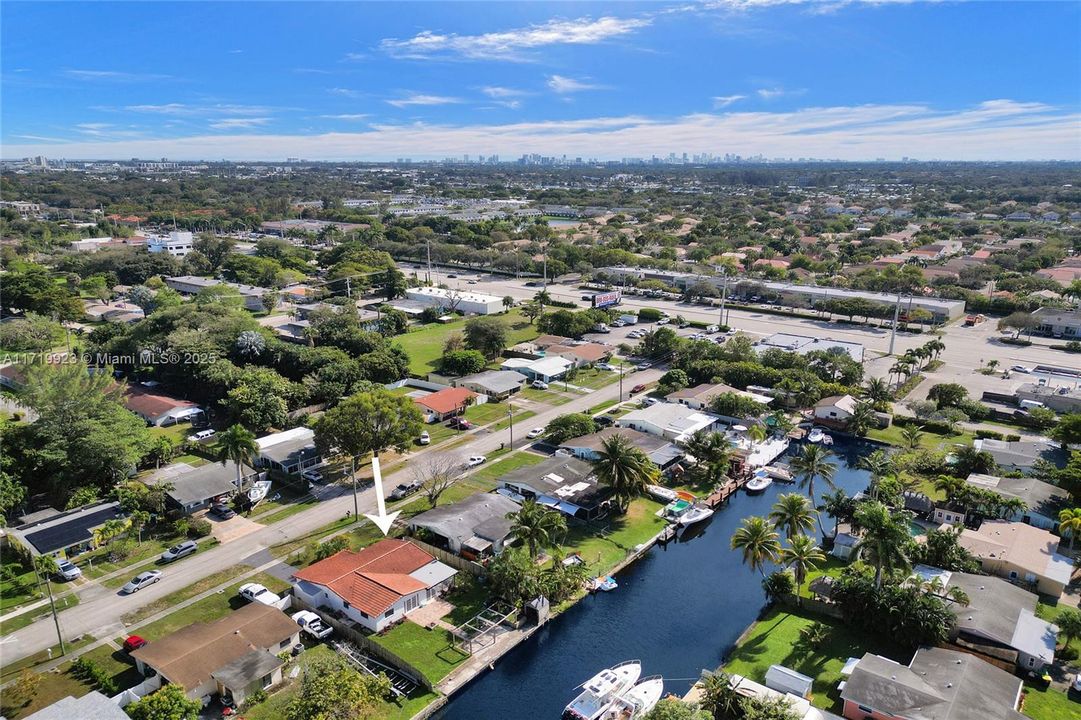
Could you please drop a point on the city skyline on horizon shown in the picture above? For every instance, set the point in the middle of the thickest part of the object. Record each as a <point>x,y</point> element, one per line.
<point>850,81</point>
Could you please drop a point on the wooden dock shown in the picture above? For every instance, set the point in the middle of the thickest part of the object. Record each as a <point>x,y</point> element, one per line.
<point>722,494</point>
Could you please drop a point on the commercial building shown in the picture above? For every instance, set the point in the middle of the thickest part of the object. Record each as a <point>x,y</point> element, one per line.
<point>545,369</point>
<point>177,243</point>
<point>467,303</point>
<point>804,344</point>
<point>1062,399</point>
<point>1057,322</point>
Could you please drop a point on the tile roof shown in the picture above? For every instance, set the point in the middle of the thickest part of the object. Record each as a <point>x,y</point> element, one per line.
<point>373,579</point>
<point>446,400</point>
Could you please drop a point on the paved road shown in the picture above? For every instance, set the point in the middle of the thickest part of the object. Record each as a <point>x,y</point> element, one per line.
<point>100,608</point>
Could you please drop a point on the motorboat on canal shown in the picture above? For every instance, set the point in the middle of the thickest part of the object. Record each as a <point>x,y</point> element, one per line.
<point>605,584</point>
<point>817,435</point>
<point>638,701</point>
<point>759,482</point>
<point>601,692</point>
<point>685,510</point>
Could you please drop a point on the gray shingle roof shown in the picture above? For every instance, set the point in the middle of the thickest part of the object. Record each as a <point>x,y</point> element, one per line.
<point>483,514</point>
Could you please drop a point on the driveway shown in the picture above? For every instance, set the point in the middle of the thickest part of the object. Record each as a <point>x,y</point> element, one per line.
<point>233,528</point>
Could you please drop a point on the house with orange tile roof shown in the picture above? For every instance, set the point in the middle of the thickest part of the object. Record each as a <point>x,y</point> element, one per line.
<point>376,587</point>
<point>445,403</point>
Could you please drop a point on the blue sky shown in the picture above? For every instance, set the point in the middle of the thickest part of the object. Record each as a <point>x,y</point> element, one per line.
<point>377,81</point>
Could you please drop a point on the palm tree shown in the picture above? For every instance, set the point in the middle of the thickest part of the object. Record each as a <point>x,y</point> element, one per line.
<point>719,697</point>
<point>911,436</point>
<point>45,566</point>
<point>712,453</point>
<point>814,462</point>
<point>537,526</point>
<point>839,506</point>
<point>236,444</point>
<point>624,468</point>
<point>508,302</point>
<point>877,391</point>
<point>792,513</point>
<point>936,347</point>
<point>803,556</point>
<point>757,541</point>
<point>1069,520</point>
<point>883,538</point>
<point>954,488</point>
<point>969,460</point>
<point>757,432</point>
<point>863,417</point>
<point>879,464</point>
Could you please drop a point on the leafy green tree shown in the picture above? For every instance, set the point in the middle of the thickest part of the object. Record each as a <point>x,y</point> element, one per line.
<point>463,362</point>
<point>778,584</point>
<point>532,310</point>
<point>814,462</point>
<point>332,690</point>
<point>514,576</point>
<point>674,380</point>
<point>947,394</point>
<point>671,708</point>
<point>862,420</point>
<point>968,460</point>
<point>569,426</point>
<point>758,543</point>
<point>941,549</point>
<point>1069,624</point>
<point>1068,430</point>
<point>394,284</point>
<point>169,703</point>
<point>537,526</point>
<point>793,514</point>
<point>660,343</point>
<point>236,445</point>
<point>487,334</point>
<point>625,469</point>
<point>33,289</point>
<point>773,708</point>
<point>719,697</point>
<point>261,398</point>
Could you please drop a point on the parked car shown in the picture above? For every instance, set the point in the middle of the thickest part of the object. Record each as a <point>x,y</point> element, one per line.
<point>141,581</point>
<point>258,593</point>
<point>67,570</point>
<point>222,511</point>
<point>535,433</point>
<point>312,624</point>
<point>201,435</point>
<point>710,329</point>
<point>605,420</point>
<point>425,438</point>
<point>1077,682</point>
<point>664,321</point>
<point>404,490</point>
<point>475,460</point>
<point>643,366</point>
<point>460,423</point>
<point>133,643</point>
<point>452,276</point>
<point>178,551</point>
<point>619,323</point>
<point>539,385</point>
<point>638,388</point>
<point>312,476</point>
<point>646,402</point>
<point>471,282</point>
<point>1020,369</point>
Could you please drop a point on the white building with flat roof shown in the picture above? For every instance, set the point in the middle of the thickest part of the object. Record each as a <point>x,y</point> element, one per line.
<point>177,244</point>
<point>804,344</point>
<point>467,303</point>
<point>669,420</point>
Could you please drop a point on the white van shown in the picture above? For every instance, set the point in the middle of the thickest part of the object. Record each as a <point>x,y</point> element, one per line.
<point>1030,404</point>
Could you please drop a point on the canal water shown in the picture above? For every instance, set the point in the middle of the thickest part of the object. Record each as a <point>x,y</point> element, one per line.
<point>678,610</point>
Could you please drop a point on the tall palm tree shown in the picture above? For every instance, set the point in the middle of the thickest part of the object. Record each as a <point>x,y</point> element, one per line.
<point>758,542</point>
<point>839,506</point>
<point>1069,520</point>
<point>537,526</point>
<point>803,556</point>
<point>712,453</point>
<point>883,538</point>
<point>792,513</point>
<point>880,466</point>
<point>969,460</point>
<point>863,418</point>
<point>814,462</point>
<point>719,697</point>
<point>236,444</point>
<point>757,432</point>
<point>877,391</point>
<point>624,468</point>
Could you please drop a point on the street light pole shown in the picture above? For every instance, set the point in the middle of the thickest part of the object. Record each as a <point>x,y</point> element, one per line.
<point>510,417</point>
<point>724,294</point>
<point>893,330</point>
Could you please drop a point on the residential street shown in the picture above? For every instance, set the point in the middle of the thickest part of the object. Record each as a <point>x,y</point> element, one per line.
<point>100,608</point>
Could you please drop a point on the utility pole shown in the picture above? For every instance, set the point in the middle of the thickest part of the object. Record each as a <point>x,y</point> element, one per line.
<point>428,242</point>
<point>510,418</point>
<point>621,381</point>
<point>724,294</point>
<point>546,266</point>
<point>893,330</point>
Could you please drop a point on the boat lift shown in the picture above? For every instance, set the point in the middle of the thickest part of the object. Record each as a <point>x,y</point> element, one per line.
<point>480,629</point>
<point>401,684</point>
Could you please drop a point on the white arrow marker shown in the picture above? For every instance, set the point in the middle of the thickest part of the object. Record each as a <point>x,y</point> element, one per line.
<point>382,520</point>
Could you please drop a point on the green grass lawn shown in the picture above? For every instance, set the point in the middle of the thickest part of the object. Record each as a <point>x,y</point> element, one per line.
<point>53,687</point>
<point>930,441</point>
<point>603,551</point>
<point>1049,704</point>
<point>425,344</point>
<point>594,379</point>
<point>602,407</point>
<point>8,671</point>
<point>21,589</point>
<point>40,614</point>
<point>519,417</point>
<point>495,469</point>
<point>95,564</point>
<point>552,397</point>
<point>775,640</point>
<point>209,608</point>
<point>429,651</point>
<point>833,567</point>
<point>486,413</point>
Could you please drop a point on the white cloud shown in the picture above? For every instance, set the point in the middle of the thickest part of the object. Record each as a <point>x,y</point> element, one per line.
<point>994,130</point>
<point>238,123</point>
<point>354,56</point>
<point>509,44</point>
<point>562,84</point>
<point>772,93</point>
<point>183,110</point>
<point>344,92</point>
<point>346,116</point>
<point>723,101</point>
<point>420,99</point>
<point>495,91</point>
<point>113,76</point>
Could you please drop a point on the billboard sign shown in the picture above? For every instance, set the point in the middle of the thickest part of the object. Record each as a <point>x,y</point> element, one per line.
<point>607,299</point>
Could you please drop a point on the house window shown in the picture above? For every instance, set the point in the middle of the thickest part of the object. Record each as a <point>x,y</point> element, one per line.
<point>363,614</point>
<point>283,644</point>
<point>345,604</point>
<point>388,613</point>
<point>1031,662</point>
<point>1013,574</point>
<point>266,681</point>
<point>864,708</point>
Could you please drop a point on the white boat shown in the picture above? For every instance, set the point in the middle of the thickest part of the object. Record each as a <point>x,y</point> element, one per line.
<point>827,439</point>
<point>606,583</point>
<point>694,514</point>
<point>638,701</point>
<point>816,435</point>
<point>258,491</point>
<point>779,472</point>
<point>601,691</point>
<point>659,492</point>
<point>759,482</point>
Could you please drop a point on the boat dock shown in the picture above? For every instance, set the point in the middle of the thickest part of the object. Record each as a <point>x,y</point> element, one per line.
<point>722,494</point>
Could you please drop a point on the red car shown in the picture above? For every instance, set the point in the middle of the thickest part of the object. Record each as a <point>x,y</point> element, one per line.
<point>133,643</point>
<point>637,389</point>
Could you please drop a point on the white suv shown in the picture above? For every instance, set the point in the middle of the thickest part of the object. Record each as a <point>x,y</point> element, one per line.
<point>67,570</point>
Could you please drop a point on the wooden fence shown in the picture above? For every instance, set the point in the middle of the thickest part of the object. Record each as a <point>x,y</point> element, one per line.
<point>818,607</point>
<point>455,561</point>
<point>347,631</point>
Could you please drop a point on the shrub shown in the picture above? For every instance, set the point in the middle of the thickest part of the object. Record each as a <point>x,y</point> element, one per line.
<point>199,528</point>
<point>257,696</point>
<point>90,672</point>
<point>1074,346</point>
<point>181,526</point>
<point>778,584</point>
<point>649,315</point>
<point>1013,438</point>
<point>1016,341</point>
<point>989,434</point>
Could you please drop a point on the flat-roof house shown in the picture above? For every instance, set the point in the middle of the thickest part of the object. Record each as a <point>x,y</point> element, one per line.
<point>475,527</point>
<point>158,409</point>
<point>376,586</point>
<point>999,620</point>
<point>836,410</point>
<point>700,396</point>
<point>233,656</point>
<point>1043,501</point>
<point>938,684</point>
<point>251,295</point>
<point>194,488</point>
<point>668,420</point>
<point>291,451</point>
<point>496,384</point>
<point>1020,455</point>
<point>468,303</point>
<point>1020,553</point>
<point>561,483</point>
<point>444,403</point>
<point>1061,399</point>
<point>92,706</point>
<point>545,369</point>
<point>664,453</point>
<point>581,354</point>
<point>66,533</point>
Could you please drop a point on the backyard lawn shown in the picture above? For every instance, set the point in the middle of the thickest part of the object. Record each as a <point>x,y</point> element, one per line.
<point>775,640</point>
<point>429,651</point>
<point>1049,704</point>
<point>425,344</point>
<point>602,551</point>
<point>20,589</point>
<point>930,441</point>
